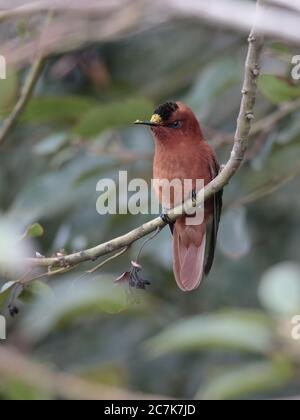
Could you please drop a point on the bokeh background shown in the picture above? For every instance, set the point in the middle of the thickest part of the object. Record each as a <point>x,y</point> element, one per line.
<point>80,335</point>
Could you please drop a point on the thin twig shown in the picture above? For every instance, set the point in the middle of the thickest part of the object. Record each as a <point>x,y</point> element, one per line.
<point>22,279</point>
<point>276,116</point>
<point>146,242</point>
<point>103,263</point>
<point>47,274</point>
<point>220,139</point>
<point>27,91</point>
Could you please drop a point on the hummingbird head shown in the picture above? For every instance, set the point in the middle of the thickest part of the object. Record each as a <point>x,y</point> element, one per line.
<point>173,121</point>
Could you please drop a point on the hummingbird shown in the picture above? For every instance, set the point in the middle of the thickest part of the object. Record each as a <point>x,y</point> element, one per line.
<point>181,152</point>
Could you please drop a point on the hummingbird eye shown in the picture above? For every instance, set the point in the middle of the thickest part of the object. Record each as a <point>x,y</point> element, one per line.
<point>176,124</point>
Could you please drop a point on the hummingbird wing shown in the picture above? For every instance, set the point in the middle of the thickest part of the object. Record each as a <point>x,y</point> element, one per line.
<point>171,226</point>
<point>217,210</point>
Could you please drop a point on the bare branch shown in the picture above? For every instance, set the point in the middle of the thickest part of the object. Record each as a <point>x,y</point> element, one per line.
<point>25,96</point>
<point>28,88</point>
<point>25,281</point>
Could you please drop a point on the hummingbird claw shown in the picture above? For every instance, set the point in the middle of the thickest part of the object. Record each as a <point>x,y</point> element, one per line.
<point>194,198</point>
<point>165,218</point>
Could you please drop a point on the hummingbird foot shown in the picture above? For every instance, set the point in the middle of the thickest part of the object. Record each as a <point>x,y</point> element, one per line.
<point>194,198</point>
<point>165,218</point>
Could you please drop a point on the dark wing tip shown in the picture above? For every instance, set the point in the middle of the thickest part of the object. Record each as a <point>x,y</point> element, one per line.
<point>218,203</point>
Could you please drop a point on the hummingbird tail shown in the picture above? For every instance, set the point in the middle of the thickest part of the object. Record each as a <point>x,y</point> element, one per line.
<point>188,257</point>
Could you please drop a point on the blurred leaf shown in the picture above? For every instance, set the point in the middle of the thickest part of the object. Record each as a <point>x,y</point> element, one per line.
<point>50,145</point>
<point>103,165</point>
<point>281,49</point>
<point>113,115</point>
<point>216,78</point>
<point>17,390</point>
<point>234,236</point>
<point>279,289</point>
<point>291,131</point>
<point>52,192</point>
<point>277,90</point>
<point>34,231</point>
<point>74,299</point>
<point>35,290</point>
<point>5,293</point>
<point>59,109</point>
<point>12,250</point>
<point>283,161</point>
<point>109,374</point>
<point>250,378</point>
<point>9,88</point>
<point>234,330</point>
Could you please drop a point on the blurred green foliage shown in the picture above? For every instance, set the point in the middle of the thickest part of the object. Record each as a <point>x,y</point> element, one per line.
<point>232,337</point>
<point>277,90</point>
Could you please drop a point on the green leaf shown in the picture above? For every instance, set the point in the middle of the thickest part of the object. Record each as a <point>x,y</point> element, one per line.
<point>5,293</point>
<point>247,379</point>
<point>279,289</point>
<point>113,115</point>
<point>57,109</point>
<point>280,49</point>
<point>36,290</point>
<point>248,331</point>
<point>34,231</point>
<point>277,90</point>
<point>19,390</point>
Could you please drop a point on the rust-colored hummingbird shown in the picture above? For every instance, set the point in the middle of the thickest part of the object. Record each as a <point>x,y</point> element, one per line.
<point>182,153</point>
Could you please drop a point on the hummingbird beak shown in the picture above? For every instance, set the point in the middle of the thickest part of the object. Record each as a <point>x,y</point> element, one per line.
<point>149,123</point>
<point>155,121</point>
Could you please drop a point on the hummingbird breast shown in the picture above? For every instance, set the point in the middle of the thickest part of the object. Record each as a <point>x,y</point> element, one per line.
<point>188,166</point>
